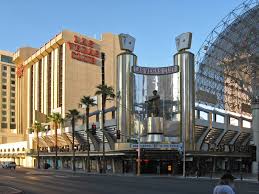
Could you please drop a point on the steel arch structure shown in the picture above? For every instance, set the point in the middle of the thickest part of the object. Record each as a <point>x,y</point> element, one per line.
<point>227,61</point>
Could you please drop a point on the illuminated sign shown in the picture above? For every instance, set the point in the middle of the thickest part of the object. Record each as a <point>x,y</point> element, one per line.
<point>19,71</point>
<point>155,70</point>
<point>84,50</point>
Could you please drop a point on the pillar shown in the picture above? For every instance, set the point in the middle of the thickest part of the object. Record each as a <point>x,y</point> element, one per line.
<point>185,61</point>
<point>255,127</point>
<point>125,62</point>
<point>113,166</point>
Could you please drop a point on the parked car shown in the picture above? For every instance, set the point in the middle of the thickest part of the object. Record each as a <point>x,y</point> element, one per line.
<point>9,165</point>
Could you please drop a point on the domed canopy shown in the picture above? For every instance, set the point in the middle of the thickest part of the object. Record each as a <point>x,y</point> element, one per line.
<point>227,62</point>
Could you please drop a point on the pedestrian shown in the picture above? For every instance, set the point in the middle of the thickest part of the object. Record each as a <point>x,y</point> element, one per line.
<point>226,185</point>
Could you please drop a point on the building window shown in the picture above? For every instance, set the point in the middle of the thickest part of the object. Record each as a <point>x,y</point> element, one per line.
<point>12,120</point>
<point>3,112</point>
<point>49,83</point>
<point>219,118</point>
<point>4,125</point>
<point>12,75</point>
<point>204,115</point>
<point>4,87</point>
<point>6,59</point>
<point>12,126</point>
<point>13,113</point>
<point>4,68</point>
<point>12,69</point>
<point>4,74</point>
<point>3,118</point>
<point>12,101</point>
<point>3,99</point>
<point>39,84</point>
<point>13,88</point>
<point>31,94</point>
<point>3,106</point>
<point>12,107</point>
<point>3,93</point>
<point>60,69</point>
<point>12,94</point>
<point>12,82</point>
<point>246,124</point>
<point>233,121</point>
<point>4,80</point>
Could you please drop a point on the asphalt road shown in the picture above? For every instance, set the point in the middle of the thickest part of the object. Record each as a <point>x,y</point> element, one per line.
<point>54,183</point>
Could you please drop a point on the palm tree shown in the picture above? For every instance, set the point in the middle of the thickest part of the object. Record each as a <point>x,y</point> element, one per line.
<point>107,93</point>
<point>73,116</point>
<point>88,102</point>
<point>37,127</point>
<point>56,119</point>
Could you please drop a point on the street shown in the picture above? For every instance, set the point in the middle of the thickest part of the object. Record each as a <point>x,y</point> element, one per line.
<point>31,181</point>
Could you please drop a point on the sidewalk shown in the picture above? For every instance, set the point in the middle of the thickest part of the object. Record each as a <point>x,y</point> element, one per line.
<point>245,177</point>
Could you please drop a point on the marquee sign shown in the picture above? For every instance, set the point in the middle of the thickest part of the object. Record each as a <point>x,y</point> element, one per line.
<point>155,70</point>
<point>84,50</point>
<point>19,70</point>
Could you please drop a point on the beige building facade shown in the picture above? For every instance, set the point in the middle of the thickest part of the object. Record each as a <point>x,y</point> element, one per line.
<point>8,88</point>
<point>55,77</point>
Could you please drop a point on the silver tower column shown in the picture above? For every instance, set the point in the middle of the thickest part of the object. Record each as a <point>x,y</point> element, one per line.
<point>124,90</point>
<point>185,61</point>
<point>125,81</point>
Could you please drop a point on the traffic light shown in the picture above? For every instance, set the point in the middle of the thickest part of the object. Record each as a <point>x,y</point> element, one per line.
<point>94,129</point>
<point>118,134</point>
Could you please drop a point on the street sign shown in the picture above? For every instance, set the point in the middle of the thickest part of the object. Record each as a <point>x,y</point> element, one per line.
<point>158,146</point>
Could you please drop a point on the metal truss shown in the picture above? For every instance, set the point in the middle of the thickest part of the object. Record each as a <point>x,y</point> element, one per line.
<point>227,61</point>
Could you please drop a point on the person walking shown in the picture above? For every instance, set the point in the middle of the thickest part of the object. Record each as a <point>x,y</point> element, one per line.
<point>226,185</point>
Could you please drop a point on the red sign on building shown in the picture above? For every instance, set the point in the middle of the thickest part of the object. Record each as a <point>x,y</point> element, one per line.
<point>19,70</point>
<point>84,50</point>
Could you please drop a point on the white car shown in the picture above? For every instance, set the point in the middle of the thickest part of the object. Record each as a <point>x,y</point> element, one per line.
<point>9,165</point>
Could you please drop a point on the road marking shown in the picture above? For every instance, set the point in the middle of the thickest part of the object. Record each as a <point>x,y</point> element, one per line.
<point>61,176</point>
<point>12,177</point>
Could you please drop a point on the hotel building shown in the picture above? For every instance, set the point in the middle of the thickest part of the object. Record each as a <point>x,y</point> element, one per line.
<point>55,77</point>
<point>8,88</point>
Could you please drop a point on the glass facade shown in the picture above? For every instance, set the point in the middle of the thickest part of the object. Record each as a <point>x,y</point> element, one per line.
<point>6,59</point>
<point>168,88</point>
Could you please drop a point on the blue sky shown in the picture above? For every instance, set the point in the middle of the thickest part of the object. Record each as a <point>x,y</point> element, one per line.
<point>154,23</point>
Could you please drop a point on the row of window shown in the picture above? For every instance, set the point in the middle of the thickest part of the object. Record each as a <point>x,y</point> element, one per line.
<point>12,106</point>
<point>4,125</point>
<point>4,68</point>
<point>13,150</point>
<point>12,100</point>
<point>6,59</point>
<point>4,119</point>
<point>4,87</point>
<point>4,81</point>
<point>4,113</point>
<point>4,74</point>
<point>221,119</point>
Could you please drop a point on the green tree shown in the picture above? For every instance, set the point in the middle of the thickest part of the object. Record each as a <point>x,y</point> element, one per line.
<point>36,128</point>
<point>107,93</point>
<point>73,115</point>
<point>57,120</point>
<point>88,102</point>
